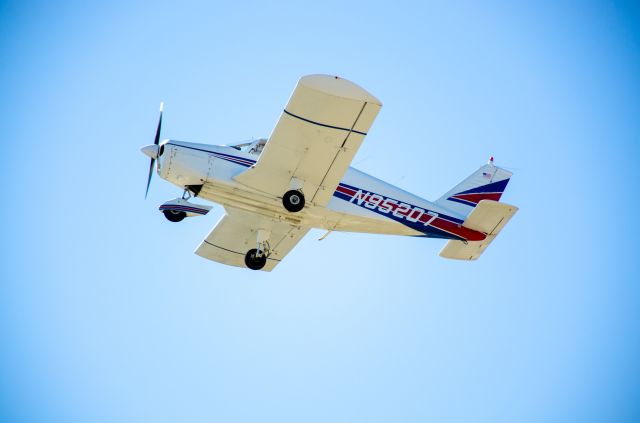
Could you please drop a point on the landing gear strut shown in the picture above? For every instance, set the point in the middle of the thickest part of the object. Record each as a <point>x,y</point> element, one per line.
<point>293,200</point>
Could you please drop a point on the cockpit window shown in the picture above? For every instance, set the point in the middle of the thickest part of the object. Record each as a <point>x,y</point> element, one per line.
<point>256,147</point>
<point>251,147</point>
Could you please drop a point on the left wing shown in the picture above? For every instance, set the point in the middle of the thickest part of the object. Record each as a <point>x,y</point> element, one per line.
<point>236,233</point>
<point>317,136</point>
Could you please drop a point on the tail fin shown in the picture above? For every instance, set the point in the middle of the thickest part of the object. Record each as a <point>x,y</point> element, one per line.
<point>486,183</point>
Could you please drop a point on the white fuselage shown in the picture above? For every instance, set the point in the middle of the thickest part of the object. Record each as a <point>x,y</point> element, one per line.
<point>361,203</point>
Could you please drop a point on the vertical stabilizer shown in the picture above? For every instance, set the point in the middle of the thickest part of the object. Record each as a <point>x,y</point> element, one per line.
<point>486,183</point>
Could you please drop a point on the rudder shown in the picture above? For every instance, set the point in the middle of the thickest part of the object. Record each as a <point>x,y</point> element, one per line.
<point>486,183</point>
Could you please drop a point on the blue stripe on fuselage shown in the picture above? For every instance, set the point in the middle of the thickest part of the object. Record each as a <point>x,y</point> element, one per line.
<point>498,186</point>
<point>223,156</point>
<point>428,230</point>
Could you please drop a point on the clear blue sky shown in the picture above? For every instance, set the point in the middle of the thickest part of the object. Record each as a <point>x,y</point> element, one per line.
<point>106,315</point>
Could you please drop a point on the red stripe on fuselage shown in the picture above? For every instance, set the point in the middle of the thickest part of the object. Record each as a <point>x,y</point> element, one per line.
<point>459,230</point>
<point>345,190</point>
<point>438,223</point>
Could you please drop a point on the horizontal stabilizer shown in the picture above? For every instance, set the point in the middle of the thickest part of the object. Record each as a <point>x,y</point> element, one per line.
<point>488,217</point>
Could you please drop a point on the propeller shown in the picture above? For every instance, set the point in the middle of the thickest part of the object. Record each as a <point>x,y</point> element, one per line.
<point>152,150</point>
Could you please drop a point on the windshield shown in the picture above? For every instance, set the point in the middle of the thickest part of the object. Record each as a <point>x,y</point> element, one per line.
<point>251,147</point>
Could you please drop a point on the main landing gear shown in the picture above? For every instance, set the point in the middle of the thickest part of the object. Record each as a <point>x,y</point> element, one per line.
<point>256,258</point>
<point>293,200</point>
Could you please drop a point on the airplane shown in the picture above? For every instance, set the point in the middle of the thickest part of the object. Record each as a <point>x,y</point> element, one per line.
<point>275,190</point>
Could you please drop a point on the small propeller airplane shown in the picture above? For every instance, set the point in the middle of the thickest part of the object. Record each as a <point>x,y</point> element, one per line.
<point>275,190</point>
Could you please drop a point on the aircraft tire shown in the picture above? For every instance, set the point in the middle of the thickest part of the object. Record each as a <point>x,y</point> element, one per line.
<point>173,215</point>
<point>253,262</point>
<point>293,200</point>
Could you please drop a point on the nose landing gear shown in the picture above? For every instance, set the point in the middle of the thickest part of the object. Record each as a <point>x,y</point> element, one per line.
<point>174,215</point>
<point>177,209</point>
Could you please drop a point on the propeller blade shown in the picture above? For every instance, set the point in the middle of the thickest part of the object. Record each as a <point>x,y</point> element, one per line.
<point>149,180</point>
<point>155,142</point>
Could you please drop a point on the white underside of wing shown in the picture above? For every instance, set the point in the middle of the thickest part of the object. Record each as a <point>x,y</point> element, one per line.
<point>237,232</point>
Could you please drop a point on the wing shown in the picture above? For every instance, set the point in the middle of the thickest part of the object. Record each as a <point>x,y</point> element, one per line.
<point>236,233</point>
<point>317,136</point>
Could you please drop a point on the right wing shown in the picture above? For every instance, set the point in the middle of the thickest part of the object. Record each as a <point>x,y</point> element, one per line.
<point>236,233</point>
<point>315,140</point>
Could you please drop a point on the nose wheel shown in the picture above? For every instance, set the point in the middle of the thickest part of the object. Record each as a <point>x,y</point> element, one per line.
<point>174,215</point>
<point>293,200</point>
